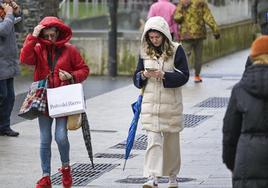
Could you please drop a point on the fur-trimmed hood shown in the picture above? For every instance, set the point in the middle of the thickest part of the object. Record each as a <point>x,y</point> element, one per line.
<point>255,78</point>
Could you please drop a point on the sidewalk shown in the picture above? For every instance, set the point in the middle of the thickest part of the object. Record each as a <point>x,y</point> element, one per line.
<point>110,116</point>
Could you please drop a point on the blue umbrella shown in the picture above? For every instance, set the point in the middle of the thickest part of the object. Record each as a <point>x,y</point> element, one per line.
<point>136,108</point>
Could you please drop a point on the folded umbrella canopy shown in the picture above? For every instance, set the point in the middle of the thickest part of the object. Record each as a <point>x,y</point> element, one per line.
<point>136,108</point>
<point>87,137</point>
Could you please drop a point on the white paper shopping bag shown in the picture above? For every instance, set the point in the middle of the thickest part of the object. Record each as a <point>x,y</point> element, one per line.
<point>65,100</point>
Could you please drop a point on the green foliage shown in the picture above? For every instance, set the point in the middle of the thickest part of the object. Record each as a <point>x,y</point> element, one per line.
<point>26,70</point>
<point>229,42</point>
<point>128,65</point>
<point>86,10</point>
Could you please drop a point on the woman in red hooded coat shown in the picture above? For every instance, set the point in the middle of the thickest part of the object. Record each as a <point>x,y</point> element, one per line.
<point>47,49</point>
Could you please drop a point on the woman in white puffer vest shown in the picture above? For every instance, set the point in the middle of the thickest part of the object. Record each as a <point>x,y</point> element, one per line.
<point>162,69</point>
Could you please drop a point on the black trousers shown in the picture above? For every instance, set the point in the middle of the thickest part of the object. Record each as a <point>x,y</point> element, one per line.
<point>7,99</point>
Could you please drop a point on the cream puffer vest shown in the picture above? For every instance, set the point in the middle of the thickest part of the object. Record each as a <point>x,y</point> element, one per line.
<point>161,107</point>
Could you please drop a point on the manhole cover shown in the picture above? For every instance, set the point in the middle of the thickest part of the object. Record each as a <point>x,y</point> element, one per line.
<point>140,143</point>
<point>143,180</point>
<point>83,173</point>
<point>214,102</point>
<point>112,155</point>
<point>191,120</point>
<point>136,146</point>
<point>142,138</point>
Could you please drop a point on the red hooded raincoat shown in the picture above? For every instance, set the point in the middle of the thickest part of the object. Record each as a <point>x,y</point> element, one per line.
<point>35,52</point>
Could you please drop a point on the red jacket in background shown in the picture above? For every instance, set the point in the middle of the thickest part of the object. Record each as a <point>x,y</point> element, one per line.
<point>35,52</point>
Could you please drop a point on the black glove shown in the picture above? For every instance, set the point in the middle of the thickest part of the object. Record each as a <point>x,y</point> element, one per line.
<point>217,36</point>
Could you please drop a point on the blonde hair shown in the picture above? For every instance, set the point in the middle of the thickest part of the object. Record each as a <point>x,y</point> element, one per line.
<point>260,59</point>
<point>166,47</point>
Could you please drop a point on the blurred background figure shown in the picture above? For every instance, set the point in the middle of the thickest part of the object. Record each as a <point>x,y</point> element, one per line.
<point>192,17</point>
<point>260,20</point>
<point>8,64</point>
<point>245,130</point>
<point>165,9</point>
<point>260,14</point>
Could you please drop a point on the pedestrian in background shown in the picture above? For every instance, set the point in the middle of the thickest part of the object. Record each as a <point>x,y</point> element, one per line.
<point>192,17</point>
<point>162,69</point>
<point>47,49</point>
<point>165,9</point>
<point>260,15</point>
<point>245,125</point>
<point>8,65</point>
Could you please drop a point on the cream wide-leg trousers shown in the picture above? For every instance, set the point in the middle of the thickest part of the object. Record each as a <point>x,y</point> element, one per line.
<point>162,157</point>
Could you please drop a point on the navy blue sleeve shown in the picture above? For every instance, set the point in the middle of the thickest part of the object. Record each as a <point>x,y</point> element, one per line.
<point>181,74</point>
<point>137,80</point>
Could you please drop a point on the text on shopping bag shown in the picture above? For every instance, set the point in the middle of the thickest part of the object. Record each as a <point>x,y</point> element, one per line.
<point>65,100</point>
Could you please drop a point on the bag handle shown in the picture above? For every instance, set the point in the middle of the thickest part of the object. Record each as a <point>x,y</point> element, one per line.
<point>51,63</point>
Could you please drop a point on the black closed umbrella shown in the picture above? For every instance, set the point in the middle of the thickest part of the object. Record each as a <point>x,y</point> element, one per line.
<point>87,137</point>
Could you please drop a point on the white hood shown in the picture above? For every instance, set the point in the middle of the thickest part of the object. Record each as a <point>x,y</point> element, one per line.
<point>156,23</point>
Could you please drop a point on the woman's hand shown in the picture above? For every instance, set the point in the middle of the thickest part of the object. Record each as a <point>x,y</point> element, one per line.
<point>146,74</point>
<point>63,75</point>
<point>156,74</point>
<point>7,8</point>
<point>37,30</point>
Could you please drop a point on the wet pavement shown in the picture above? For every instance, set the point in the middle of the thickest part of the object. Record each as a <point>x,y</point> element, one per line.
<point>110,114</point>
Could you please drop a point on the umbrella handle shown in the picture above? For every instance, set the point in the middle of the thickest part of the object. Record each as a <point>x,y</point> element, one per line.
<point>142,90</point>
<point>124,165</point>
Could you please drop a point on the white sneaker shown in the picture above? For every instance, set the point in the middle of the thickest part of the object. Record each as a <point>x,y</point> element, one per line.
<point>173,182</point>
<point>151,183</point>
